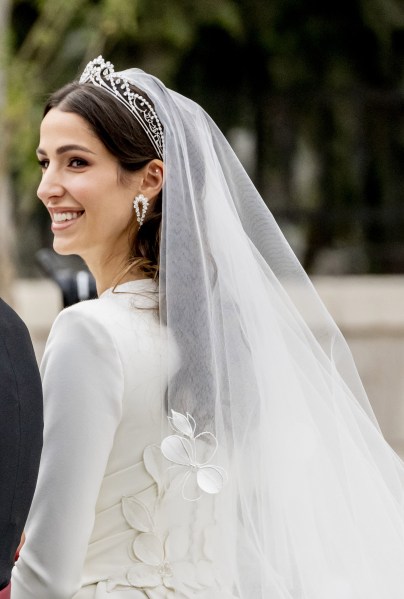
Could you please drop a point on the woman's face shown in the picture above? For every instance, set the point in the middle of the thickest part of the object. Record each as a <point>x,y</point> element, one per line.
<point>90,207</point>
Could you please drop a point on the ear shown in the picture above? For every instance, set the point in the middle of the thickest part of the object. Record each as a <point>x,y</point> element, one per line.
<point>152,179</point>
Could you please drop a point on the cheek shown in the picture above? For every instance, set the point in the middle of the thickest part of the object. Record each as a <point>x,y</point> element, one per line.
<point>115,214</point>
<point>105,202</point>
<point>94,186</point>
<point>84,193</point>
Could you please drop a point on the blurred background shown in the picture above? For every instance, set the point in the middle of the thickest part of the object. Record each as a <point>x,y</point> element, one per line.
<point>311,97</point>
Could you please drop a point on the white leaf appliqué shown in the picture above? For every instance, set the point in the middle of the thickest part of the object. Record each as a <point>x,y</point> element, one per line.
<point>160,570</point>
<point>136,514</point>
<point>185,425</point>
<point>178,450</point>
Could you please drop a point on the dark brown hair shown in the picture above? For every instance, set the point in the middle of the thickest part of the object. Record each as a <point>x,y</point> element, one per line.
<point>125,139</point>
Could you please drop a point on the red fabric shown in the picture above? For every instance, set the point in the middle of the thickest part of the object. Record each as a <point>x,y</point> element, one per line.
<point>6,593</point>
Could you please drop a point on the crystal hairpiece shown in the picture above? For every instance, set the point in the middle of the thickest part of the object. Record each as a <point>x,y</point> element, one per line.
<point>102,73</point>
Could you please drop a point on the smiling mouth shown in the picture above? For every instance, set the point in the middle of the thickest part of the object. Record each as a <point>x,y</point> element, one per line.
<point>61,217</point>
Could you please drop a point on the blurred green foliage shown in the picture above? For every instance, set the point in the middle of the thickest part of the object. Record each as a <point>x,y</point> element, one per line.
<point>317,88</point>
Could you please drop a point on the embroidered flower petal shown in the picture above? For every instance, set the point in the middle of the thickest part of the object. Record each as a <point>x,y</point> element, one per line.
<point>177,543</point>
<point>149,549</point>
<point>210,479</point>
<point>177,450</point>
<point>192,423</point>
<point>169,582</point>
<point>136,514</point>
<point>205,448</point>
<point>190,488</point>
<point>143,575</point>
<point>182,424</point>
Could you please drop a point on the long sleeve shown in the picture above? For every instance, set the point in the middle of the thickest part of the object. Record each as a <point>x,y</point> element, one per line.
<point>83,388</point>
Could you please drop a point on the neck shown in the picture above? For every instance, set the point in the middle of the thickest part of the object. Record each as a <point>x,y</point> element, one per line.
<point>111,271</point>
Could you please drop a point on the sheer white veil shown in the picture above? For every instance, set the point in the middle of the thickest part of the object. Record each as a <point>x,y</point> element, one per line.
<point>307,496</point>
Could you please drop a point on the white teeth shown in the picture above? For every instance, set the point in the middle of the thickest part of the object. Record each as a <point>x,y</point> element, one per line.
<point>60,217</point>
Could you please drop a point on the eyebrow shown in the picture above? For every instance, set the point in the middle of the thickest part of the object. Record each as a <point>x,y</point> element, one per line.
<point>67,148</point>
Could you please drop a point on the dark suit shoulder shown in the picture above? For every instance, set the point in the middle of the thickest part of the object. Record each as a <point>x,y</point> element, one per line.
<point>10,323</point>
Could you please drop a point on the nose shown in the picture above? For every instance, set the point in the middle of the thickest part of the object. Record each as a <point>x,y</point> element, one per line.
<point>50,186</point>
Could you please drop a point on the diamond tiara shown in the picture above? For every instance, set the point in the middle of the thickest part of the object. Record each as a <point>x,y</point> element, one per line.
<point>102,73</point>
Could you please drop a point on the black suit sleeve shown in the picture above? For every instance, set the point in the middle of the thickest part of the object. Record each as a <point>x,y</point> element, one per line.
<point>21,427</point>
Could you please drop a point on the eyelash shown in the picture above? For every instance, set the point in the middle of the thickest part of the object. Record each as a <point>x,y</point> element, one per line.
<point>45,163</point>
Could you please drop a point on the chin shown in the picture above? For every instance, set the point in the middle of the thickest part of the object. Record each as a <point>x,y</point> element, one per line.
<point>63,249</point>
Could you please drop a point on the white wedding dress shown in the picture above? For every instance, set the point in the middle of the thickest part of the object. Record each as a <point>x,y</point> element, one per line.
<point>96,527</point>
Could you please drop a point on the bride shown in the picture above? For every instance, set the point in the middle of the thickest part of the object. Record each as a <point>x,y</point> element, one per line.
<point>206,432</point>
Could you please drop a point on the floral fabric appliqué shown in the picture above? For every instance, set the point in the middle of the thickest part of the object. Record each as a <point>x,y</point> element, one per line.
<point>193,454</point>
<point>172,551</point>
